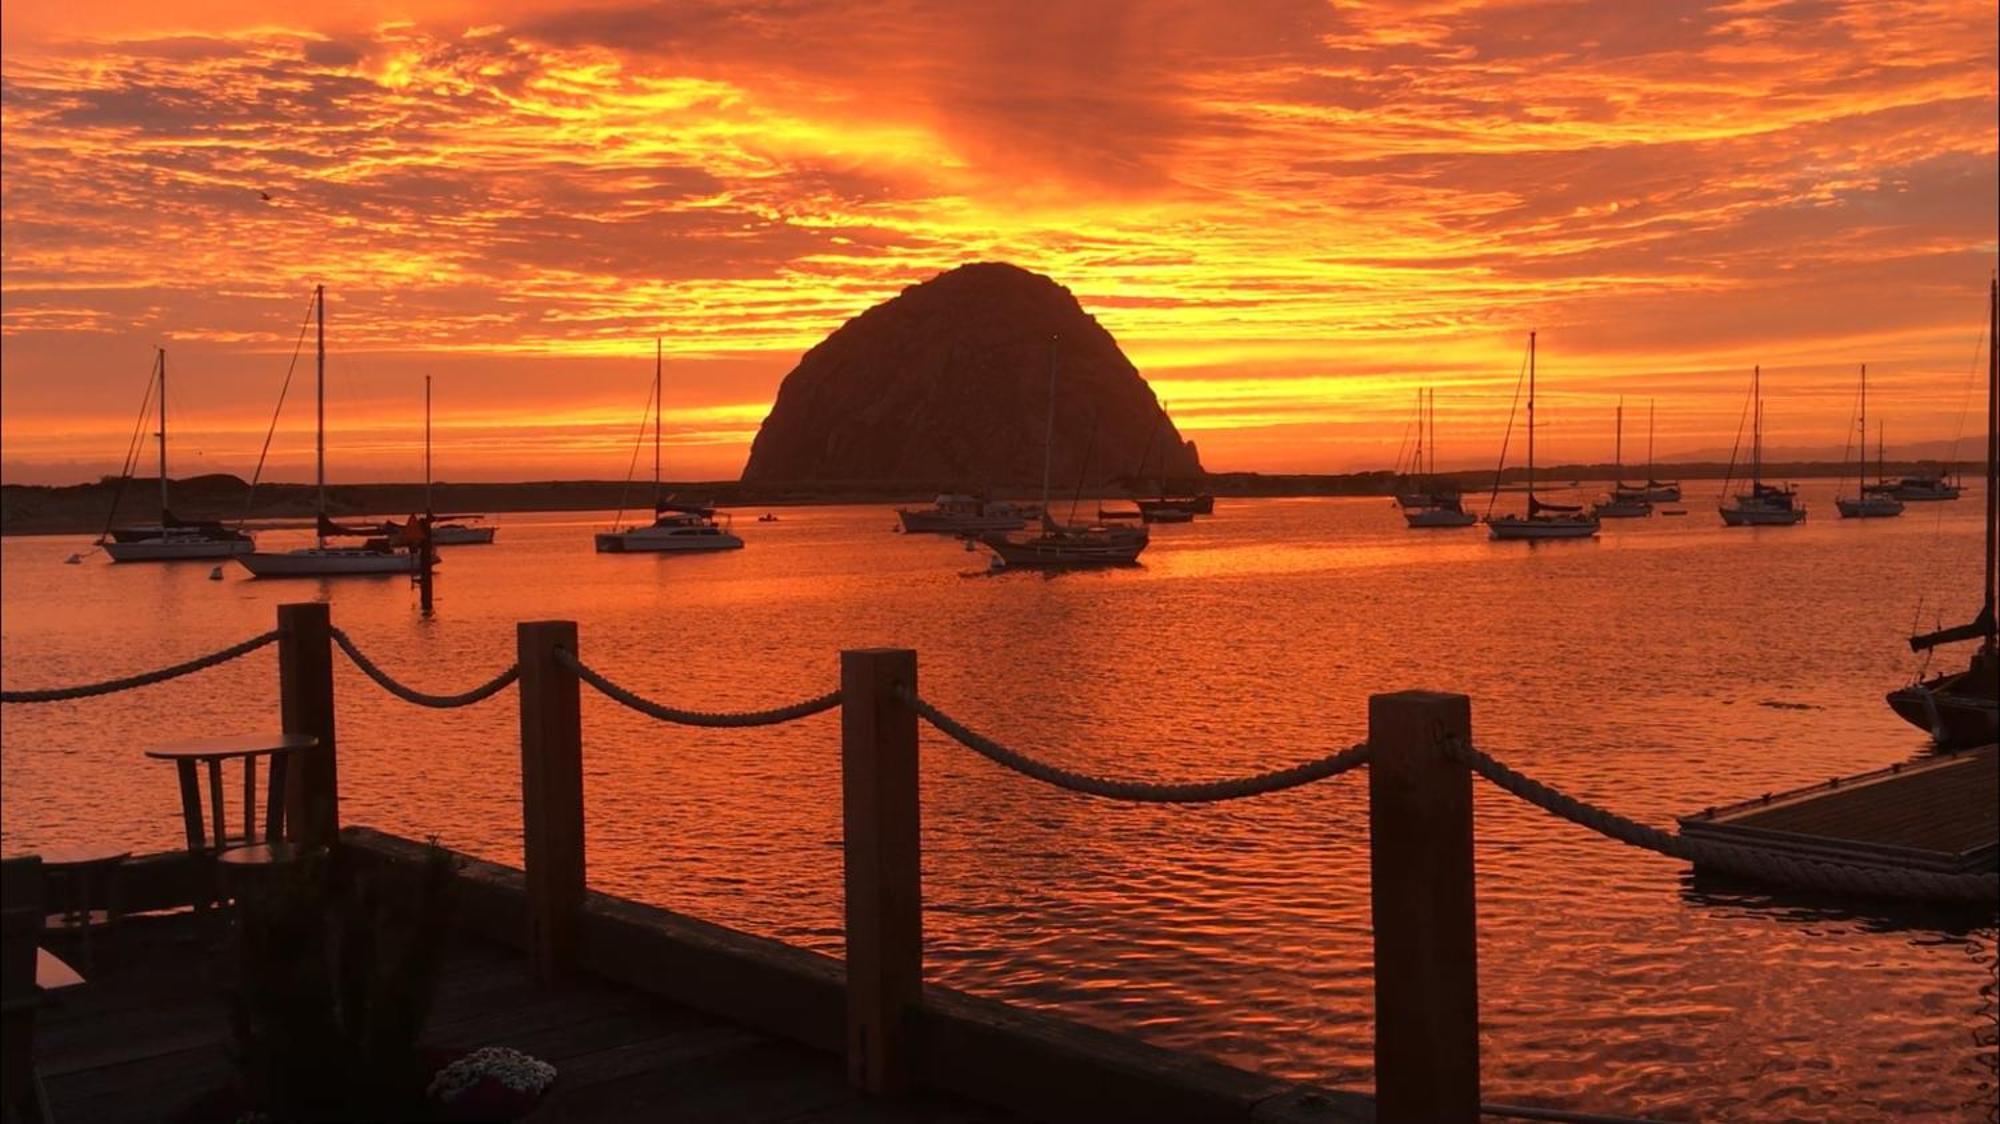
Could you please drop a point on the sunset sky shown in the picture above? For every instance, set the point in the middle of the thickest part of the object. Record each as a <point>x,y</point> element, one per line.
<point>1290,213</point>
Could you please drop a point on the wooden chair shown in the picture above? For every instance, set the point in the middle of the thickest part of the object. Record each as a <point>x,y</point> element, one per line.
<point>20,933</point>
<point>234,853</point>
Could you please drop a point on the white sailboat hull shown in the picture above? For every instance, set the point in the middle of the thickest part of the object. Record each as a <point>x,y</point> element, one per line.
<point>654,540</point>
<point>172,550</point>
<point>1622,509</point>
<point>312,562</point>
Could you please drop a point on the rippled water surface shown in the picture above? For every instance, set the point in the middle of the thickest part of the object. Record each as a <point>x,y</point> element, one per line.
<point>1670,665</point>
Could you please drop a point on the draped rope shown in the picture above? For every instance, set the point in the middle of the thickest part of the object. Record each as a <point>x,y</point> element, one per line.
<point>1765,866</point>
<point>146,679</point>
<point>773,717</point>
<point>1144,792</point>
<point>410,694</point>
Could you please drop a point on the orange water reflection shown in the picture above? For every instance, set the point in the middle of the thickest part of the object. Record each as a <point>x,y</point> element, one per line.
<point>1636,670</point>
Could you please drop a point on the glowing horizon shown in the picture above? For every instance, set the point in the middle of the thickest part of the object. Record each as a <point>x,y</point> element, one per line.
<point>1290,217</point>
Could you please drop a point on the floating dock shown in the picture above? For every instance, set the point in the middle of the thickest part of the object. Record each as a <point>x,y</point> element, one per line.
<point>1939,814</point>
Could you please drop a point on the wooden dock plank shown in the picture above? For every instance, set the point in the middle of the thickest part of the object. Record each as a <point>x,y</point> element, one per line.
<point>1936,814</point>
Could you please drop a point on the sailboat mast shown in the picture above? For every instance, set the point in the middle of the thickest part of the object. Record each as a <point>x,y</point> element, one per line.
<point>1618,441</point>
<point>319,377</point>
<point>163,439</point>
<point>1864,430</point>
<point>658,386</point>
<point>1531,424</point>
<point>1992,455</point>
<point>1049,438</point>
<point>1417,457</point>
<point>427,445</point>
<point>1652,467</point>
<point>1756,428</point>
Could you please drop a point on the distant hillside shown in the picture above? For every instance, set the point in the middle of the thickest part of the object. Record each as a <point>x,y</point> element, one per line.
<point>28,509</point>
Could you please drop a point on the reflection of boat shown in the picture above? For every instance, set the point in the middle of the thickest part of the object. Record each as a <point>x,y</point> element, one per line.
<point>1430,504</point>
<point>1623,502</point>
<point>379,553</point>
<point>1061,546</point>
<point>172,538</point>
<point>1764,505</point>
<point>1924,487</point>
<point>1962,709</point>
<point>956,514</point>
<point>1542,520</point>
<point>676,527</point>
<point>1868,503</point>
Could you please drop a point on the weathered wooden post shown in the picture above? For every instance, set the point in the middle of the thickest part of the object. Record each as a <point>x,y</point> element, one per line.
<point>1421,889</point>
<point>878,770</point>
<point>551,794</point>
<point>305,700</point>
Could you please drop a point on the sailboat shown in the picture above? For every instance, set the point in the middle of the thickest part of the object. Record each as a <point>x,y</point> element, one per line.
<point>1542,520</point>
<point>676,528</point>
<point>1060,545</point>
<point>1962,709</point>
<point>1623,502</point>
<point>1764,505</point>
<point>1657,491</point>
<point>378,553</point>
<point>173,538</point>
<point>446,530</point>
<point>1437,506</point>
<point>1868,502</point>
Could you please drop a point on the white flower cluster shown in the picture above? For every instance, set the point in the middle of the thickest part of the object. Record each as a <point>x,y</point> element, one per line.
<point>512,1068</point>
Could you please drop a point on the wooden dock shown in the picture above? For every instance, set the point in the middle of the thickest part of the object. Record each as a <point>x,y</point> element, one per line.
<point>1939,814</point>
<point>148,1040</point>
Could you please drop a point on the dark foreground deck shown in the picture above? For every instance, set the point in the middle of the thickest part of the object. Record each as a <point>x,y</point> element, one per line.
<point>148,1037</point>
<point>1937,815</point>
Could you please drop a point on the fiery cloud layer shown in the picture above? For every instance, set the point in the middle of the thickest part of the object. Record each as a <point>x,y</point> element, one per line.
<point>1291,214</point>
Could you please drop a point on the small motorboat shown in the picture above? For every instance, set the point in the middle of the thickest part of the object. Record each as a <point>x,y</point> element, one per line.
<point>767,517</point>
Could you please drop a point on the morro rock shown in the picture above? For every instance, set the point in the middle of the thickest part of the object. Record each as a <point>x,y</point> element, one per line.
<point>947,386</point>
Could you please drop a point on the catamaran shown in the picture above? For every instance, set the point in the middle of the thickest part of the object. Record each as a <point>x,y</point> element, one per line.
<point>1542,520</point>
<point>1868,503</point>
<point>1060,545</point>
<point>676,527</point>
<point>1764,505</point>
<point>1962,709</point>
<point>379,553</point>
<point>1623,502</point>
<point>1435,505</point>
<point>173,538</point>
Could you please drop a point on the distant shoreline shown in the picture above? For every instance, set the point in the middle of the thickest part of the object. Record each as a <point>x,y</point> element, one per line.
<point>36,509</point>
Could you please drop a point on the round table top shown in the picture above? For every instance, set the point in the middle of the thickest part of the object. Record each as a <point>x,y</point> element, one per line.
<point>231,745</point>
<point>59,857</point>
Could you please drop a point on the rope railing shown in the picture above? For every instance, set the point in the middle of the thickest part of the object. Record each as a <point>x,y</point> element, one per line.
<point>410,694</point>
<point>144,679</point>
<point>1144,792</point>
<point>804,708</point>
<point>1808,874</point>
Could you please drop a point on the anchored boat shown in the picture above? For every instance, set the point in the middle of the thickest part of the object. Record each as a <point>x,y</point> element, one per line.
<point>1542,520</point>
<point>959,514</point>
<point>1962,709</point>
<point>1764,505</point>
<point>677,528</point>
<point>1623,502</point>
<point>1867,502</point>
<point>381,551</point>
<point>1431,504</point>
<point>173,538</point>
<point>1066,546</point>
